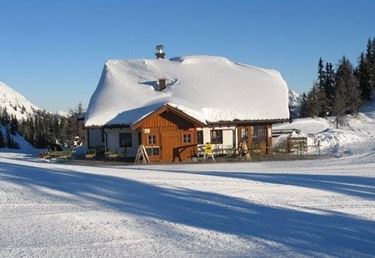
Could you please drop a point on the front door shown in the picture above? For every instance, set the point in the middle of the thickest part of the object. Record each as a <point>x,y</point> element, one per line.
<point>169,144</point>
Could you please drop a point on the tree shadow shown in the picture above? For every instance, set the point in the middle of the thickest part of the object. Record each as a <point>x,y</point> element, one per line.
<point>306,233</point>
<point>357,186</point>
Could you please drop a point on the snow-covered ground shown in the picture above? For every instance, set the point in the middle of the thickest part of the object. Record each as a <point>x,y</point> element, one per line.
<point>25,148</point>
<point>356,134</point>
<point>278,209</point>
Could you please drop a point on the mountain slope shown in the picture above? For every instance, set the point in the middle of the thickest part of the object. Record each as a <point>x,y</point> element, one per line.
<point>294,103</point>
<point>15,103</point>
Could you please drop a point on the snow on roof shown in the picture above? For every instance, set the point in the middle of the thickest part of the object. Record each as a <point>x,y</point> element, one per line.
<point>208,88</point>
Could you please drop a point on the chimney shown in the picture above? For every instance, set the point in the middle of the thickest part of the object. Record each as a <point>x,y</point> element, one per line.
<point>162,84</point>
<point>159,52</point>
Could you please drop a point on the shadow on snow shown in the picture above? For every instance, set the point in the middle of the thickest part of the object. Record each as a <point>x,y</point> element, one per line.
<point>307,233</point>
<point>357,186</point>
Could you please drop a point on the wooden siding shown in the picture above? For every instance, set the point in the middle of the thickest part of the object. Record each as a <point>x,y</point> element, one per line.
<point>263,147</point>
<point>169,129</point>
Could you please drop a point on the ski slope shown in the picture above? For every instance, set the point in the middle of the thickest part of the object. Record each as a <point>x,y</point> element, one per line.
<point>310,208</point>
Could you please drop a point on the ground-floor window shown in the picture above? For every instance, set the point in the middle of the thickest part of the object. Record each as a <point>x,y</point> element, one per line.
<point>153,150</point>
<point>186,138</point>
<point>216,136</point>
<point>125,139</point>
<point>199,137</point>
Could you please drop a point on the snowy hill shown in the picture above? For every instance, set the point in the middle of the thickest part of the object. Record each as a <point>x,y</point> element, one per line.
<point>208,88</point>
<point>294,103</point>
<point>24,147</point>
<point>294,98</point>
<point>15,103</point>
<point>356,135</point>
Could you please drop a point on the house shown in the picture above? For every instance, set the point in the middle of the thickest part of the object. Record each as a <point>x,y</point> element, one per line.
<point>174,106</point>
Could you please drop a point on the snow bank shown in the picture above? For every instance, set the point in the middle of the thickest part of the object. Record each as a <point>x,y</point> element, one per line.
<point>356,134</point>
<point>208,88</point>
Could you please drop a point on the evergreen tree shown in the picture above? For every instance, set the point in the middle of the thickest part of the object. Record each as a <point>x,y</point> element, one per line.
<point>363,75</point>
<point>347,94</point>
<point>303,105</point>
<point>369,66</point>
<point>329,86</point>
<point>339,103</point>
<point>11,144</point>
<point>5,118</point>
<point>315,101</point>
<point>13,125</point>
<point>321,74</point>
<point>2,142</point>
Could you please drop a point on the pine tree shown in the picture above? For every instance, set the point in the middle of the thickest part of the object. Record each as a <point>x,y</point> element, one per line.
<point>13,125</point>
<point>11,144</point>
<point>329,86</point>
<point>347,94</point>
<point>321,74</point>
<point>303,105</point>
<point>370,63</point>
<point>315,101</point>
<point>363,76</point>
<point>5,118</point>
<point>339,103</point>
<point>2,142</point>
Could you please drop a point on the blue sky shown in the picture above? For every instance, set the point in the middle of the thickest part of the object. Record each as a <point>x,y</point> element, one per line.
<point>53,51</point>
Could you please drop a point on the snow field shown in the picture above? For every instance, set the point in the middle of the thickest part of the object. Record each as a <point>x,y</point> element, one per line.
<point>300,208</point>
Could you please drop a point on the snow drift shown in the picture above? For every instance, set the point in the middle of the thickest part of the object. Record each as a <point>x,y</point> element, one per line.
<point>208,88</point>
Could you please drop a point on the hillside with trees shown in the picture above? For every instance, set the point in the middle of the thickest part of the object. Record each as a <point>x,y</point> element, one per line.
<point>343,90</point>
<point>41,128</point>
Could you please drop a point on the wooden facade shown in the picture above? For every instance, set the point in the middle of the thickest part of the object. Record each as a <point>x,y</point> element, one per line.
<point>258,137</point>
<point>168,135</point>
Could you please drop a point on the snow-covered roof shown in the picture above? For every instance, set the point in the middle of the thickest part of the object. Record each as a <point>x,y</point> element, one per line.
<point>208,88</point>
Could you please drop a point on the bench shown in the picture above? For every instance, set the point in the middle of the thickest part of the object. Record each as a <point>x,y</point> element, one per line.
<point>111,155</point>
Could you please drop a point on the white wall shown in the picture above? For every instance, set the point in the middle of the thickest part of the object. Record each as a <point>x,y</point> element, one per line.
<point>113,141</point>
<point>95,138</point>
<point>228,137</point>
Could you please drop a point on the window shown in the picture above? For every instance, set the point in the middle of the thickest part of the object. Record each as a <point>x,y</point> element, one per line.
<point>216,136</point>
<point>153,151</point>
<point>260,133</point>
<point>151,139</point>
<point>200,137</point>
<point>125,139</point>
<point>186,138</point>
